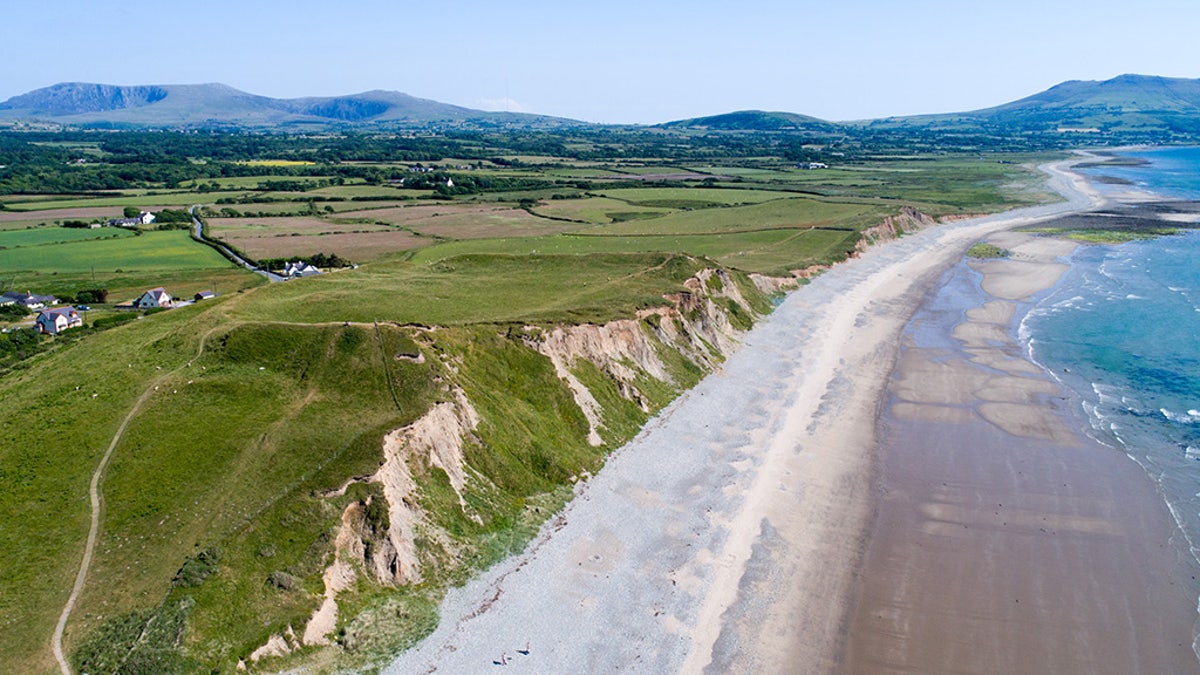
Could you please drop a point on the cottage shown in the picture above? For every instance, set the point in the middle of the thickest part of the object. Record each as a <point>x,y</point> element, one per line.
<point>154,298</point>
<point>204,295</point>
<point>27,299</point>
<point>814,165</point>
<point>299,269</point>
<point>143,218</point>
<point>55,321</point>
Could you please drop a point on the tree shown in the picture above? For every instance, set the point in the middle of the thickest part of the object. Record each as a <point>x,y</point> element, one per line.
<point>132,212</point>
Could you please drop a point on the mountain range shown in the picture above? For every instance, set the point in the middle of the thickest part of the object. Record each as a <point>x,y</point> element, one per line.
<point>219,105</point>
<point>1128,103</point>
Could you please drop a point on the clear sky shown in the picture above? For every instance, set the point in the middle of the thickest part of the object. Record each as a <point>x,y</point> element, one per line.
<point>626,61</point>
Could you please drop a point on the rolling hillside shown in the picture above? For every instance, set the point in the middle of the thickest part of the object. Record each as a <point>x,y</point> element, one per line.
<point>207,105</point>
<point>1127,103</point>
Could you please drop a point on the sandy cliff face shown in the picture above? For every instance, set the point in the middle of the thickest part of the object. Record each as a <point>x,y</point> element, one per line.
<point>386,537</point>
<point>892,227</point>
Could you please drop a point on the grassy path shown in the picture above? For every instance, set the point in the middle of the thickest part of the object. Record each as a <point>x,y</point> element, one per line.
<point>97,508</point>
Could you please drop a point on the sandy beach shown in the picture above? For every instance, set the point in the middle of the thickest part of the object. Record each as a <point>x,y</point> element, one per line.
<point>744,529</point>
<point>1006,541</point>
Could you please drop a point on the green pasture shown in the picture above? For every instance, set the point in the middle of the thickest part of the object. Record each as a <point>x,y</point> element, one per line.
<point>596,210</point>
<point>766,251</point>
<point>184,198</point>
<point>246,182</point>
<point>699,197</point>
<point>10,239</point>
<point>168,250</point>
<point>780,213</point>
<point>480,289</point>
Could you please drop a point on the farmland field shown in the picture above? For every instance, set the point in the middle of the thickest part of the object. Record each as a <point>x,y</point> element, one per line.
<point>596,210</point>
<point>354,246</point>
<point>57,235</point>
<point>693,197</point>
<point>286,226</point>
<point>170,250</point>
<point>766,251</point>
<point>465,221</point>
<point>147,201</point>
<point>782,213</point>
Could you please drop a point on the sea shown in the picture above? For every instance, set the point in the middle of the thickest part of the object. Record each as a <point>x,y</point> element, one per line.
<point>1122,330</point>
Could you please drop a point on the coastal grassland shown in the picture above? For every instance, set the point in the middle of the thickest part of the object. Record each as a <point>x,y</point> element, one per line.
<point>61,409</point>
<point>57,235</point>
<point>984,251</point>
<point>598,210</point>
<point>695,197</point>
<point>1107,235</point>
<point>796,212</point>
<point>353,245</point>
<point>188,479</point>
<point>285,226</point>
<point>225,493</point>
<point>774,251</point>
<point>479,288</point>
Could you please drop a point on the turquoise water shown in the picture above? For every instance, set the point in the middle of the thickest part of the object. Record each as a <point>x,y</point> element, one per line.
<point>1122,329</point>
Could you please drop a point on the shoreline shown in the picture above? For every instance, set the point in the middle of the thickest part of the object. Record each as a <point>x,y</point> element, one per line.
<point>727,535</point>
<point>993,494</point>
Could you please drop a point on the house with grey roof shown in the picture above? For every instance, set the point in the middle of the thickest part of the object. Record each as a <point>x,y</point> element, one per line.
<point>27,299</point>
<point>155,298</point>
<point>55,321</point>
<point>299,269</point>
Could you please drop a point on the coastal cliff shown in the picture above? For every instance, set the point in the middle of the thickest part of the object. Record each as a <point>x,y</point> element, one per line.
<point>428,515</point>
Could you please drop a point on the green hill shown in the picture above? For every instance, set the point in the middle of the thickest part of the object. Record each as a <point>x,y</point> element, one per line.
<point>754,120</point>
<point>1128,103</point>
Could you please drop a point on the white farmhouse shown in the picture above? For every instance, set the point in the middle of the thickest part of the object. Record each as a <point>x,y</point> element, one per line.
<point>154,298</point>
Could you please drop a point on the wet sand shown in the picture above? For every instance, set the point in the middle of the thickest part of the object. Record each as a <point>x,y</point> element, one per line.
<point>729,535</point>
<point>1006,541</point>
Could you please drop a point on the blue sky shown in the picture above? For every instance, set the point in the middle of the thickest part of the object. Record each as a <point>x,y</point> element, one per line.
<point>615,61</point>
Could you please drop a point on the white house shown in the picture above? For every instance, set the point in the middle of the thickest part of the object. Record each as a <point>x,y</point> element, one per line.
<point>299,269</point>
<point>27,300</point>
<point>153,299</point>
<point>55,321</point>
<point>143,218</point>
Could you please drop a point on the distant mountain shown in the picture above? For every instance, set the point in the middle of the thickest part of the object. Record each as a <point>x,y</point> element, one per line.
<point>1127,103</point>
<point>754,120</point>
<point>218,105</point>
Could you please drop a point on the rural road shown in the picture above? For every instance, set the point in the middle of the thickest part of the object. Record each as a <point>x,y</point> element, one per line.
<point>198,233</point>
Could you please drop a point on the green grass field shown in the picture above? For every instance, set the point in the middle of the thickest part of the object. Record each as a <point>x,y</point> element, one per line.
<point>169,250</point>
<point>126,266</point>
<point>176,198</point>
<point>765,251</point>
<point>698,197</point>
<point>775,214</point>
<point>596,210</point>
<point>57,235</point>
